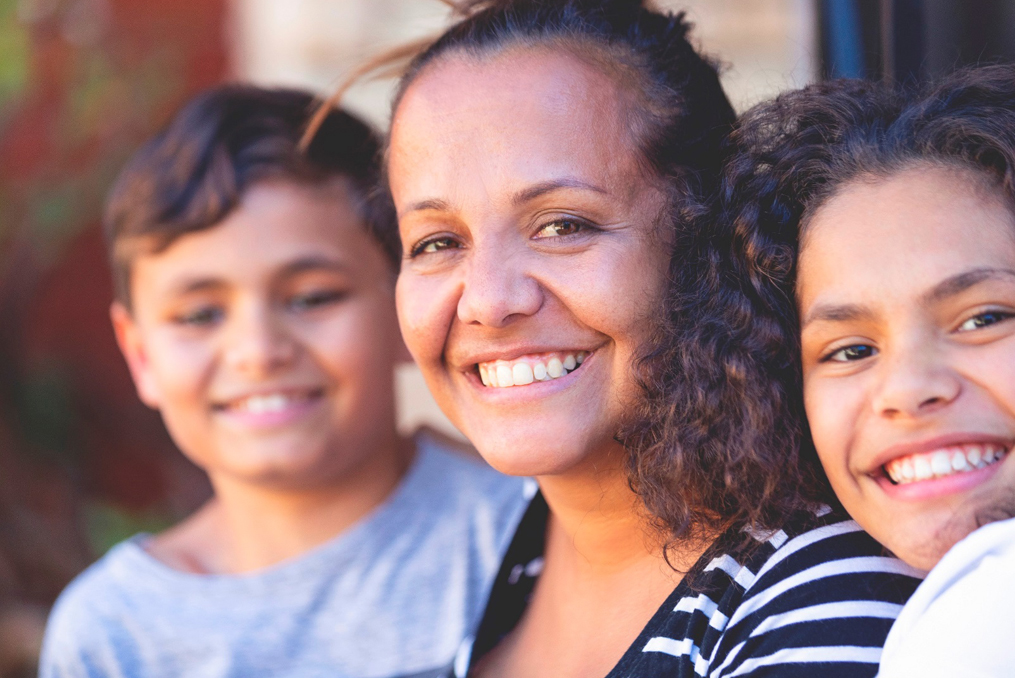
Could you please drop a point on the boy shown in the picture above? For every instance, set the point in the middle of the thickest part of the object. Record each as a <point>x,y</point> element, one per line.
<point>255,310</point>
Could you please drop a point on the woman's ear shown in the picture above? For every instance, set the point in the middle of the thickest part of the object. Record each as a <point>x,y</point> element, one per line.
<point>132,346</point>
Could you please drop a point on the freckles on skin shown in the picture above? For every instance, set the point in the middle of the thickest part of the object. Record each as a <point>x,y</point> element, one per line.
<point>475,143</point>
<point>877,268</point>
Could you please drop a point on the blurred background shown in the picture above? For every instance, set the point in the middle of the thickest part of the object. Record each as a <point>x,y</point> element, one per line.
<point>83,82</point>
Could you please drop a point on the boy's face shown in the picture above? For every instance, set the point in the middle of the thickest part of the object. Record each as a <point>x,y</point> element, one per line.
<point>906,291</point>
<point>267,342</point>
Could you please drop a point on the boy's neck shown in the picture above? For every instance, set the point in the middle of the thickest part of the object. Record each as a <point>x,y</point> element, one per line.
<point>247,527</point>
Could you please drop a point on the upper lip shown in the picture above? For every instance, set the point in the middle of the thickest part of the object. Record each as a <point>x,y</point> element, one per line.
<point>469,359</point>
<point>283,390</point>
<point>938,442</point>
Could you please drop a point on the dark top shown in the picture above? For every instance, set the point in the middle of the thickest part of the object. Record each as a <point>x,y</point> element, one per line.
<point>814,599</point>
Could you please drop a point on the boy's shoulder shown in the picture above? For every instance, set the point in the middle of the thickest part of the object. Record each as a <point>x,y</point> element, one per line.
<point>86,626</point>
<point>464,471</point>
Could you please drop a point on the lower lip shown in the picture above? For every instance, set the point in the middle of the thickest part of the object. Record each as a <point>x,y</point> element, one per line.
<point>537,389</point>
<point>939,487</point>
<point>295,411</point>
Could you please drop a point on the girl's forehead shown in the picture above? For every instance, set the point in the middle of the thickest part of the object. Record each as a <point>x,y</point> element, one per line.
<point>903,233</point>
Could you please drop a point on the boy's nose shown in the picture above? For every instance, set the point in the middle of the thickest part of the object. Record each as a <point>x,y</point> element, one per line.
<point>918,382</point>
<point>497,289</point>
<point>259,344</point>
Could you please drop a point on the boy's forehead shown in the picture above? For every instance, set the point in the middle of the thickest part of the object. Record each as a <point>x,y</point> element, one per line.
<point>279,228</point>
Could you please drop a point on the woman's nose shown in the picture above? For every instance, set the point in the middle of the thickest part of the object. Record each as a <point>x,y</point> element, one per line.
<point>497,289</point>
<point>259,343</point>
<point>916,382</point>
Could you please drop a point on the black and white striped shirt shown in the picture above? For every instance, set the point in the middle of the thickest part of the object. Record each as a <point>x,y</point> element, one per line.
<point>814,599</point>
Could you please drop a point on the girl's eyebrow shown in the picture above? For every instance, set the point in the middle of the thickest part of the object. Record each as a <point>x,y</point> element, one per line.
<point>963,281</point>
<point>836,313</point>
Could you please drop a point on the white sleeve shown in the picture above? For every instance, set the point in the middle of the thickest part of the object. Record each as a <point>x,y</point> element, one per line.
<point>960,620</point>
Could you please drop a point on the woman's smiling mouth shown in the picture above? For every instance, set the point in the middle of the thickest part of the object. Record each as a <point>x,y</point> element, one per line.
<point>527,369</point>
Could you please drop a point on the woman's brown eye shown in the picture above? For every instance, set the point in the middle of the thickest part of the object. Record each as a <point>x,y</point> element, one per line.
<point>561,227</point>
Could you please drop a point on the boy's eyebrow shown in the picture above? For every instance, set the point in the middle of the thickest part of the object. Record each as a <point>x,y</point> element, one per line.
<point>190,285</point>
<point>314,263</point>
<point>963,281</point>
<point>836,313</point>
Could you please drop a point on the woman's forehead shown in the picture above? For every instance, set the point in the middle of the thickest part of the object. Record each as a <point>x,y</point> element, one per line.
<point>523,110</point>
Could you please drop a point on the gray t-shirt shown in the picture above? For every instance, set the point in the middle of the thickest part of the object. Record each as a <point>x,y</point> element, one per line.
<point>394,595</point>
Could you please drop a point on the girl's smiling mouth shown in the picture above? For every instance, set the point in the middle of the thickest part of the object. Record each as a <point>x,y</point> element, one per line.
<point>531,368</point>
<point>944,461</point>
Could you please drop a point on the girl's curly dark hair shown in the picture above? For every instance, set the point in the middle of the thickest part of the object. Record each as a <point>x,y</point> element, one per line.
<point>724,442</point>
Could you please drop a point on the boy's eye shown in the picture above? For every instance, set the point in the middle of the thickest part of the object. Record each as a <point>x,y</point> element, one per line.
<point>432,245</point>
<point>983,320</point>
<point>200,317</point>
<point>312,300</point>
<point>562,227</point>
<point>850,353</point>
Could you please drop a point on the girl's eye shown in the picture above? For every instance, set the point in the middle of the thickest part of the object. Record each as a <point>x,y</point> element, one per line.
<point>433,245</point>
<point>200,317</point>
<point>312,300</point>
<point>983,320</point>
<point>852,353</point>
<point>562,227</point>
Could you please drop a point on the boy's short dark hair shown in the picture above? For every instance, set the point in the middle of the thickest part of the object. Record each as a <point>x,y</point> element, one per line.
<point>190,176</point>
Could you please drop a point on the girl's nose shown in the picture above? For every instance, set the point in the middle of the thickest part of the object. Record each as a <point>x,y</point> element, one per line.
<point>917,381</point>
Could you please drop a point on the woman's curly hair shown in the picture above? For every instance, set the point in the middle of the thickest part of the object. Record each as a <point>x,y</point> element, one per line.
<point>724,441</point>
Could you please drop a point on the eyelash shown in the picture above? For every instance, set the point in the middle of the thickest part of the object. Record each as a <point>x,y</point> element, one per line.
<point>830,357</point>
<point>580,225</point>
<point>200,317</point>
<point>316,299</point>
<point>420,247</point>
<point>1000,316</point>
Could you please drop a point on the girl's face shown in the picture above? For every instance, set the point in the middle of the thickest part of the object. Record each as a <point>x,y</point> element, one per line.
<point>906,291</point>
<point>533,259</point>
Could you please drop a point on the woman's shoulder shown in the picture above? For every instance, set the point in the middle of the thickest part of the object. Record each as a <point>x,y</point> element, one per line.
<point>818,590</point>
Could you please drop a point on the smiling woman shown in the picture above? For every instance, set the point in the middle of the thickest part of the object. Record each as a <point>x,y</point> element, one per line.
<point>546,160</point>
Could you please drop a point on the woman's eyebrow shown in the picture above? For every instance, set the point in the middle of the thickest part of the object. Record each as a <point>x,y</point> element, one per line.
<point>429,204</point>
<point>963,281</point>
<point>544,187</point>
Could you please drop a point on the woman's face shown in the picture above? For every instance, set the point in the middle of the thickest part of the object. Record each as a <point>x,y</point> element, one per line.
<point>534,260</point>
<point>907,300</point>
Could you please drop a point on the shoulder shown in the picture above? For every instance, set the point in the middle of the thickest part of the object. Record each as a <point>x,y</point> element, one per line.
<point>472,480</point>
<point>85,629</point>
<point>965,602</point>
<point>821,590</point>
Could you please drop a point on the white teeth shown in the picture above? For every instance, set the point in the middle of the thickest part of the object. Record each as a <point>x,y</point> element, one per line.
<point>275,402</point>
<point>504,376</point>
<point>522,374</point>
<point>940,463</point>
<point>944,462</point>
<point>555,368</point>
<point>500,373</point>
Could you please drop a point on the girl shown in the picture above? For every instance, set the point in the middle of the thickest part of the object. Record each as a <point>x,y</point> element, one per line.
<point>875,230</point>
<point>542,154</point>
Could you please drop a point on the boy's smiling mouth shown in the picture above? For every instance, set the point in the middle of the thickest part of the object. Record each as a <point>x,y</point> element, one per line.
<point>527,369</point>
<point>944,461</point>
<point>269,402</point>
